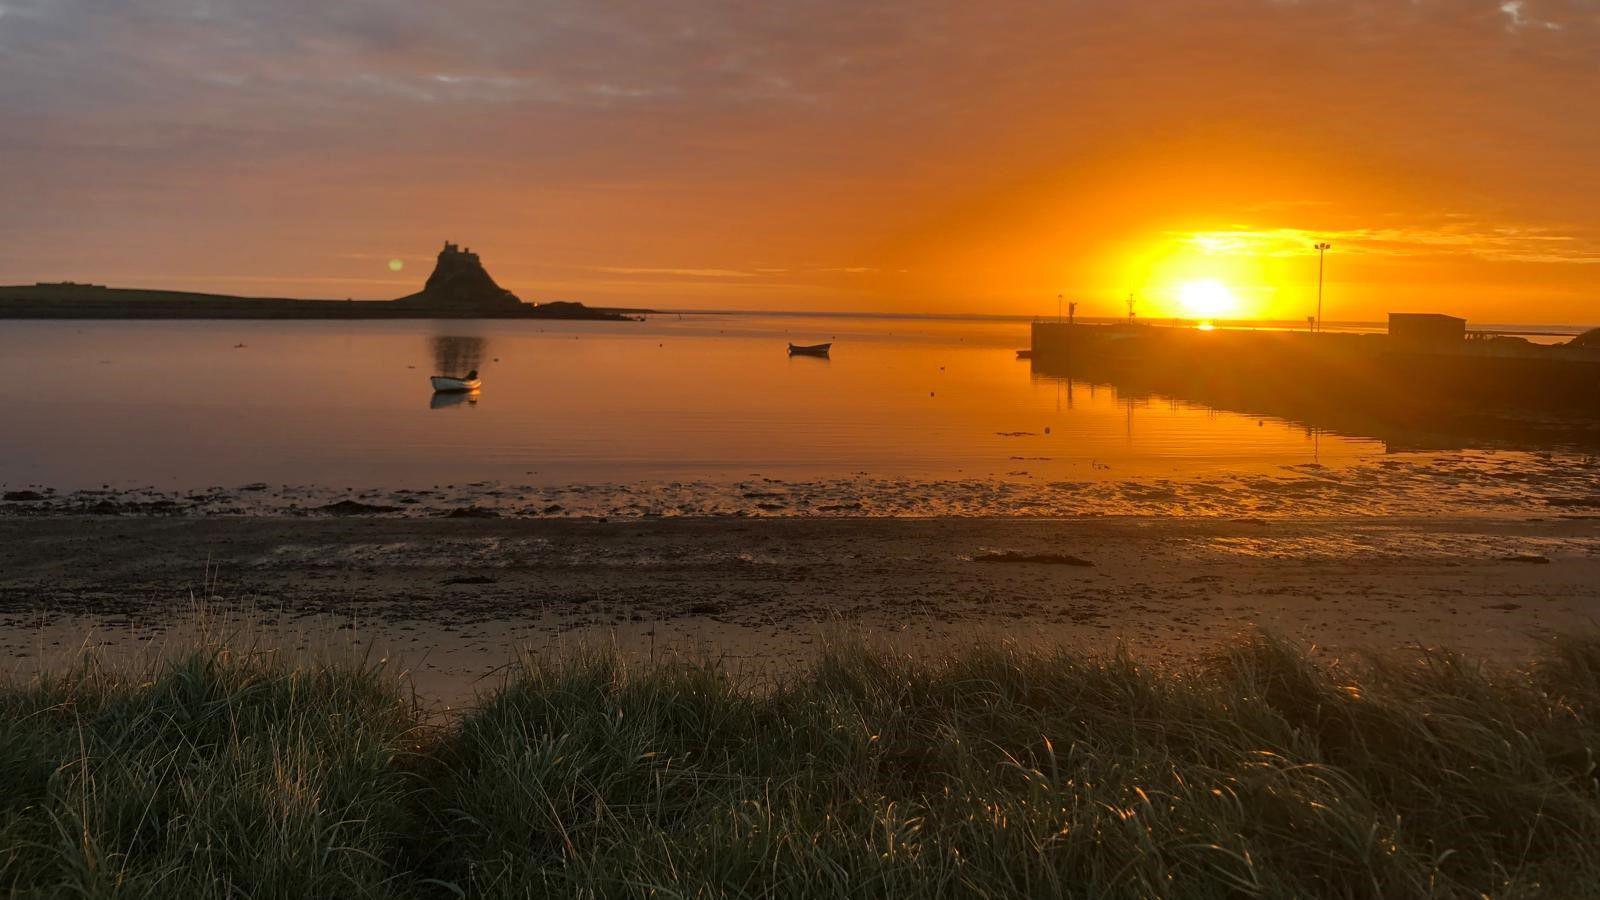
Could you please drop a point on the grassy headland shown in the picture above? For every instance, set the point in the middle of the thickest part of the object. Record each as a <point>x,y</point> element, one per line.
<point>989,773</point>
<point>68,300</point>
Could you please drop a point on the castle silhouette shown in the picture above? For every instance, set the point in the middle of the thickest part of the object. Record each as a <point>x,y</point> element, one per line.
<point>459,282</point>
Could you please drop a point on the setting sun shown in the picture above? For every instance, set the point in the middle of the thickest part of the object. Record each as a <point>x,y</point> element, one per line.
<point>1207,298</point>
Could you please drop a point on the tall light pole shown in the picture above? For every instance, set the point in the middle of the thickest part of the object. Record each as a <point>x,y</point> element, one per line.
<point>1058,308</point>
<point>1322,250</point>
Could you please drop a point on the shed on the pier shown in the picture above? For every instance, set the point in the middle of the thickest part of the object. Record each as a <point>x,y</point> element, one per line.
<point>1427,328</point>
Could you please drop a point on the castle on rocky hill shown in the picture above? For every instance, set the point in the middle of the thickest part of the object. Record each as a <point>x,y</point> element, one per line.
<point>460,282</point>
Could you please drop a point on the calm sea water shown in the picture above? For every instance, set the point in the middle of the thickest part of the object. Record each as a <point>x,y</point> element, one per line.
<point>184,405</point>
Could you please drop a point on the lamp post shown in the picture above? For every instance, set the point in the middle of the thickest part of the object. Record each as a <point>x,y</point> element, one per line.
<point>1322,250</point>
<point>1058,309</point>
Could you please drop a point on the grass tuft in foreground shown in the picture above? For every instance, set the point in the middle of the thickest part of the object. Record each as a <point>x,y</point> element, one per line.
<point>993,773</point>
<point>220,776</point>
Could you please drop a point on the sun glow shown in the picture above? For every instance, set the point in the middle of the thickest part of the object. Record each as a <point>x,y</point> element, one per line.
<point>1207,298</point>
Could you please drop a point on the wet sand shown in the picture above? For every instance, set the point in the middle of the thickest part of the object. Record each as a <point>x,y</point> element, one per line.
<point>1399,485</point>
<point>453,600</point>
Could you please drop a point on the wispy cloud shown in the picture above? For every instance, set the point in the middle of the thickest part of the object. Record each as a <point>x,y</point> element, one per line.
<point>1475,239</point>
<point>686,272</point>
<point>679,272</point>
<point>1516,12</point>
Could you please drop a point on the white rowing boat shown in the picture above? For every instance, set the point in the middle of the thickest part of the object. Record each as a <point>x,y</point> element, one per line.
<point>447,384</point>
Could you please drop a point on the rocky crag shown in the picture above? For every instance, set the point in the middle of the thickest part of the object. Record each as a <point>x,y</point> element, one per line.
<point>460,283</point>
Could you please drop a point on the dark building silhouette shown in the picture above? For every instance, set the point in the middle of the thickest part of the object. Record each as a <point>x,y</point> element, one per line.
<point>1427,328</point>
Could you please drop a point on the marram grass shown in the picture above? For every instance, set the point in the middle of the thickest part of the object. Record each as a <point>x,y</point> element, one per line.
<point>220,776</point>
<point>987,773</point>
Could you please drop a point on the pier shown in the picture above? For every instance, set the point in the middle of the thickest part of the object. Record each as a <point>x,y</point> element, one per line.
<point>1427,377</point>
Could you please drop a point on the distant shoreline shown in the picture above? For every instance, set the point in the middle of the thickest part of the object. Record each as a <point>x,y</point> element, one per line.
<point>87,301</point>
<point>1542,329</point>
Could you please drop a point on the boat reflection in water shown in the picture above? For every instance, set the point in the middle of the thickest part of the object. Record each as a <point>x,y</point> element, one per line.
<point>456,355</point>
<point>448,399</point>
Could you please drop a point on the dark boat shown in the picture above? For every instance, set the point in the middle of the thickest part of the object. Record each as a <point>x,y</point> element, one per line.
<point>1024,354</point>
<point>809,349</point>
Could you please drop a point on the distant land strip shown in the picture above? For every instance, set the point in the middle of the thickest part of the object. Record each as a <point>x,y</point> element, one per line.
<point>88,301</point>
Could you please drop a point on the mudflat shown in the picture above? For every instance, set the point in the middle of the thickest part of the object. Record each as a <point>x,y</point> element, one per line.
<point>456,599</point>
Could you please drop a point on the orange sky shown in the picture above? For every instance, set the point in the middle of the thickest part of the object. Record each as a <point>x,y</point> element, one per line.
<point>901,155</point>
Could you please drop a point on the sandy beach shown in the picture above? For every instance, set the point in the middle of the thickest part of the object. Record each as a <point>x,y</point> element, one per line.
<point>453,600</point>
